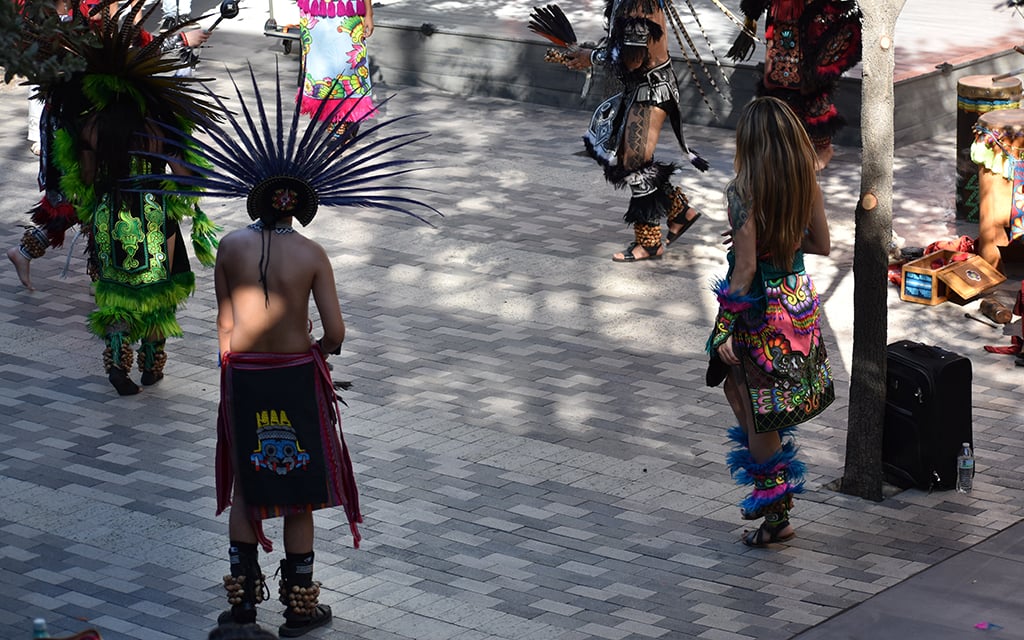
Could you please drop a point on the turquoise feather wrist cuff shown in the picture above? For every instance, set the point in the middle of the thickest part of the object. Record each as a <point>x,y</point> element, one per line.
<point>730,306</point>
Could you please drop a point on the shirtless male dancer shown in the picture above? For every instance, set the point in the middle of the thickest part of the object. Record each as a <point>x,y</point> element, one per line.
<point>264,276</point>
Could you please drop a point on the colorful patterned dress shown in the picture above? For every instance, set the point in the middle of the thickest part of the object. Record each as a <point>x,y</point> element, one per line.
<point>334,62</point>
<point>778,341</point>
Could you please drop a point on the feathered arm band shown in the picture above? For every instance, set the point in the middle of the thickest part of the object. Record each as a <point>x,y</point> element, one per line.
<point>730,305</point>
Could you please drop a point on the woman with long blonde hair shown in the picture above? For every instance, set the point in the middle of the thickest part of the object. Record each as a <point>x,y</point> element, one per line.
<point>766,343</point>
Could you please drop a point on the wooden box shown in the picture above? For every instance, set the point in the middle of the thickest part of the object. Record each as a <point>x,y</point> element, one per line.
<point>931,278</point>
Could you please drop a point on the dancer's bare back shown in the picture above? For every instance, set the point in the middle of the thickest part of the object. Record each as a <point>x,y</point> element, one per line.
<point>248,320</point>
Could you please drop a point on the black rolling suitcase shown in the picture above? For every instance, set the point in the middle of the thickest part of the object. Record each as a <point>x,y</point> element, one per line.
<point>927,415</point>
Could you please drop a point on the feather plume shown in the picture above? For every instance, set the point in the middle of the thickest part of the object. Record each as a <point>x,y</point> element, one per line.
<point>241,157</point>
<point>551,23</point>
<point>119,58</point>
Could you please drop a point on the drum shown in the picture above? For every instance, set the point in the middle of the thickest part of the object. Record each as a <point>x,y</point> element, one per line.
<point>998,151</point>
<point>976,96</point>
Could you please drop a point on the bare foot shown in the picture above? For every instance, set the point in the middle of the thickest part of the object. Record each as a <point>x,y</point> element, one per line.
<point>21,265</point>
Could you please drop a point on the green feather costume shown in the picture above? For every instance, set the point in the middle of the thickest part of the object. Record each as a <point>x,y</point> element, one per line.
<point>123,99</point>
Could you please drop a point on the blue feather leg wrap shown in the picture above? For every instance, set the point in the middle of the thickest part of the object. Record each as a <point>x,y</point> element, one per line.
<point>746,471</point>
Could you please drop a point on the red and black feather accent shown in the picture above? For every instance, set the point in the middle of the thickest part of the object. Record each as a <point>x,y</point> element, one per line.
<point>550,22</point>
<point>55,217</point>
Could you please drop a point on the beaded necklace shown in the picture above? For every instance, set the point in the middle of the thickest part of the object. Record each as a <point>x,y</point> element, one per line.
<point>279,229</point>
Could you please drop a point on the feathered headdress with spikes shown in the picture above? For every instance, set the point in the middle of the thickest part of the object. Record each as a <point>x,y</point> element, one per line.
<point>98,57</point>
<point>283,170</point>
<point>125,61</point>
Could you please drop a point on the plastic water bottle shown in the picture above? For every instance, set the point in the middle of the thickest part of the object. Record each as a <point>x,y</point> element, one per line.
<point>965,469</point>
<point>39,629</point>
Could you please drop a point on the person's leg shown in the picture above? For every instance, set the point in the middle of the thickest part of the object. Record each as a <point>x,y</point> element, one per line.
<point>823,151</point>
<point>636,154</point>
<point>33,244</point>
<point>298,533</point>
<point>681,216</point>
<point>298,591</point>
<point>152,354</point>
<point>152,357</point>
<point>117,360</point>
<point>246,586</point>
<point>761,460</point>
<point>762,445</point>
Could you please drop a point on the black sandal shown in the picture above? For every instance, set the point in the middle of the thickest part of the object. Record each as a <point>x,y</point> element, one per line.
<point>629,256</point>
<point>767,534</point>
<point>672,237</point>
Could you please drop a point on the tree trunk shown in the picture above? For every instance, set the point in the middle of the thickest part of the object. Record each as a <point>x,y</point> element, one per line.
<point>863,471</point>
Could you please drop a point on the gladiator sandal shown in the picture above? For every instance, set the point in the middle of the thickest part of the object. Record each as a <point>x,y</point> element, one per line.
<point>34,243</point>
<point>647,236</point>
<point>117,361</point>
<point>680,204</point>
<point>301,595</point>
<point>152,359</point>
<point>246,586</point>
<point>775,481</point>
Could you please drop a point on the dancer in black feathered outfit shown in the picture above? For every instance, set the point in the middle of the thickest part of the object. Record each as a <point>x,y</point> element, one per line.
<point>624,131</point>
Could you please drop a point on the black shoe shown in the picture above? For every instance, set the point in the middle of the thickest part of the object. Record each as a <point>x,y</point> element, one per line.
<point>151,377</point>
<point>239,614</point>
<point>118,377</point>
<point>296,626</point>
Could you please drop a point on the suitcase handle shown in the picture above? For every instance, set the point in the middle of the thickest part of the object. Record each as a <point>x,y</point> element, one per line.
<point>935,352</point>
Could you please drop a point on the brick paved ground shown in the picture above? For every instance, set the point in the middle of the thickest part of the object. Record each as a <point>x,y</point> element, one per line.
<point>537,454</point>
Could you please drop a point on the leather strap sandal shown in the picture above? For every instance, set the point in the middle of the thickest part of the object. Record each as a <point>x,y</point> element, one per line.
<point>673,236</point>
<point>653,253</point>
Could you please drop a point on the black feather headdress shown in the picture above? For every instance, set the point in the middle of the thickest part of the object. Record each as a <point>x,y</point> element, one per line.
<point>109,58</point>
<point>284,170</point>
